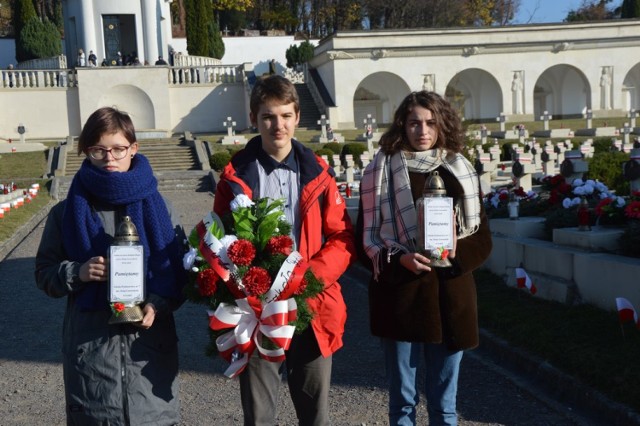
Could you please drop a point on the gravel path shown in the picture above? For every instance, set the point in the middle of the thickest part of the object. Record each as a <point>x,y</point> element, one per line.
<point>31,390</point>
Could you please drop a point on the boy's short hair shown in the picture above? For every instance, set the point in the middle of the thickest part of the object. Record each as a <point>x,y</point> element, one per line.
<point>105,121</point>
<point>273,88</point>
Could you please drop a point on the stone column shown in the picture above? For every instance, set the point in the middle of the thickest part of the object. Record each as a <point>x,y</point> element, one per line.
<point>88,29</point>
<point>150,31</point>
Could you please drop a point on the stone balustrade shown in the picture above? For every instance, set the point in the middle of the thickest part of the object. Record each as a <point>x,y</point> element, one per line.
<point>204,74</point>
<point>42,78</point>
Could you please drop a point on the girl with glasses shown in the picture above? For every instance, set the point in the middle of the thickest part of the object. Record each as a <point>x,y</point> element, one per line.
<point>122,373</point>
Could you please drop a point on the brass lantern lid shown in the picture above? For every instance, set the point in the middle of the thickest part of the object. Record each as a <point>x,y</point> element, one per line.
<point>434,185</point>
<point>126,231</point>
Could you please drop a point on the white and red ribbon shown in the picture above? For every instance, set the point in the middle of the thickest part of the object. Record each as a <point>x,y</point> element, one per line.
<point>210,246</point>
<point>288,278</point>
<point>249,325</point>
<point>523,280</point>
<point>626,312</point>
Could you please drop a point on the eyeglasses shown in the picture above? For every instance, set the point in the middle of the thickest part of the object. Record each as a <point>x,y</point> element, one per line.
<point>117,152</point>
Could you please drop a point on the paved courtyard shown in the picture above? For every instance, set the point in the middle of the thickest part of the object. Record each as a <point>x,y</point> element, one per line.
<point>31,390</point>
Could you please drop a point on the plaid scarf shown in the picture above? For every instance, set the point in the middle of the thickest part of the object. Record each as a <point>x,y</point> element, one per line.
<point>389,213</point>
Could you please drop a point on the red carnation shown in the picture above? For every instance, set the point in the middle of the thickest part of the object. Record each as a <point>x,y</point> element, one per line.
<point>117,308</point>
<point>632,210</point>
<point>241,252</point>
<point>601,206</point>
<point>207,282</point>
<point>280,244</point>
<point>504,196</point>
<point>256,281</point>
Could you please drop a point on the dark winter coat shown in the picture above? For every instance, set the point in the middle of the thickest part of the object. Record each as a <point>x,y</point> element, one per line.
<point>433,307</point>
<point>113,374</point>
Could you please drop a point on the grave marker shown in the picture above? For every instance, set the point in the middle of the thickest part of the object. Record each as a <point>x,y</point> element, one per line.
<point>546,117</point>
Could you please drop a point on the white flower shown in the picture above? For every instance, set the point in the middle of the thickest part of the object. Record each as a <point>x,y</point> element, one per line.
<point>620,202</point>
<point>576,201</point>
<point>532,195</point>
<point>588,189</point>
<point>577,182</point>
<point>601,187</point>
<point>195,269</point>
<point>580,190</point>
<point>240,201</point>
<point>189,258</point>
<point>566,203</point>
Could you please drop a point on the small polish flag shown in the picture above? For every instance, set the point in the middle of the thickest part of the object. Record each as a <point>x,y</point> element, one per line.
<point>626,311</point>
<point>523,280</point>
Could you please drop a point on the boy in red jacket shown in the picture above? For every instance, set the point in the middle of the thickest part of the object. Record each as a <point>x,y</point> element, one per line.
<point>275,165</point>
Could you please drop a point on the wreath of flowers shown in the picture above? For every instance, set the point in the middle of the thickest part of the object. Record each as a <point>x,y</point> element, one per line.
<point>244,269</point>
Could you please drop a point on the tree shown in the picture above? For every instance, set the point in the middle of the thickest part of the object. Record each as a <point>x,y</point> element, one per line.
<point>38,39</point>
<point>298,55</point>
<point>630,9</point>
<point>6,18</point>
<point>593,10</point>
<point>197,27</point>
<point>23,12</point>
<point>216,45</point>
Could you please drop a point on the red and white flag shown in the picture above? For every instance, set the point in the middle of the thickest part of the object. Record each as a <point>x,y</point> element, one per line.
<point>523,280</point>
<point>626,312</point>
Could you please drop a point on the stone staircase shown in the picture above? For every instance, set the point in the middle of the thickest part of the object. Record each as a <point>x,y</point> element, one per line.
<point>309,112</point>
<point>174,164</point>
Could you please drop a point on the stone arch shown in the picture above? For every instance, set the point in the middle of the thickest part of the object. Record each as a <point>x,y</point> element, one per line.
<point>562,90</point>
<point>133,101</point>
<point>476,94</point>
<point>631,89</point>
<point>378,94</point>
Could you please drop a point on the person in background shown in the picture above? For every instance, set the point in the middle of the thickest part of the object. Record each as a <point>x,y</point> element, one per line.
<point>123,373</point>
<point>10,78</point>
<point>93,59</point>
<point>277,166</point>
<point>80,60</point>
<point>161,61</point>
<point>419,310</point>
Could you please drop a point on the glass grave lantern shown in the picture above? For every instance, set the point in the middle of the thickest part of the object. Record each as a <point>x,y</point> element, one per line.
<point>126,274</point>
<point>435,222</point>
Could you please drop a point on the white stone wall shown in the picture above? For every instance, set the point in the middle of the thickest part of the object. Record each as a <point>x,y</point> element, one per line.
<point>567,59</point>
<point>143,92</point>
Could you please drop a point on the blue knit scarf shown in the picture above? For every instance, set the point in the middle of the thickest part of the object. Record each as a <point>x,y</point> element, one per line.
<point>133,193</point>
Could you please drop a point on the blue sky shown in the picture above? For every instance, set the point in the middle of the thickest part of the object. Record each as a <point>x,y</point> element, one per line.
<point>541,11</point>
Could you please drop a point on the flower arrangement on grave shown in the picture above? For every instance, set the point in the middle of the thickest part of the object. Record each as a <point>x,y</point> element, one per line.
<point>591,190</point>
<point>617,210</point>
<point>496,202</point>
<point>244,269</point>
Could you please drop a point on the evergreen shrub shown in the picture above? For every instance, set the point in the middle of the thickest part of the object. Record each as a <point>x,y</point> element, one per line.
<point>219,159</point>
<point>607,168</point>
<point>335,147</point>
<point>355,149</point>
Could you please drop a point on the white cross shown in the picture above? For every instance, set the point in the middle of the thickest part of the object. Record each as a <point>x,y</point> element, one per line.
<point>502,119</point>
<point>230,124</point>
<point>324,123</point>
<point>546,117</point>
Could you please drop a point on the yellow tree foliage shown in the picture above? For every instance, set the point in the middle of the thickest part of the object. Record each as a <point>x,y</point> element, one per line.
<point>239,5</point>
